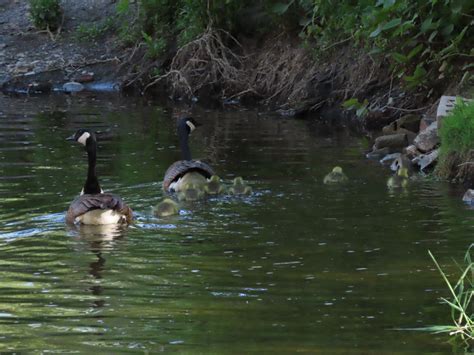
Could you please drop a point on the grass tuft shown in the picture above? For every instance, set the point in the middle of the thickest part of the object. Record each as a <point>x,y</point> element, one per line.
<point>460,302</point>
<point>456,161</point>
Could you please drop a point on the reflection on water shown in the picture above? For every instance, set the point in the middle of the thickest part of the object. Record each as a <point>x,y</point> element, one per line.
<point>297,266</point>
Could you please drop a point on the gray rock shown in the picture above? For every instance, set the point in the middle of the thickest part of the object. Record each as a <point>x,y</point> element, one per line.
<point>378,153</point>
<point>426,160</point>
<point>428,139</point>
<point>389,158</point>
<point>73,87</point>
<point>469,197</point>
<point>409,122</point>
<point>394,141</point>
<point>411,151</point>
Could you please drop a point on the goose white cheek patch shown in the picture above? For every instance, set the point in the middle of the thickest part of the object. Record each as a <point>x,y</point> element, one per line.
<point>82,139</point>
<point>191,126</point>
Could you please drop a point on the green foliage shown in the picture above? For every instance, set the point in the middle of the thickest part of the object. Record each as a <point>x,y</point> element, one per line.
<point>462,293</point>
<point>412,35</point>
<point>155,46</point>
<point>359,107</point>
<point>457,129</point>
<point>92,32</point>
<point>420,39</point>
<point>45,14</point>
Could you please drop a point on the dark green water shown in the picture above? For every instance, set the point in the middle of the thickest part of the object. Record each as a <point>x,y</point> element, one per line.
<point>295,267</point>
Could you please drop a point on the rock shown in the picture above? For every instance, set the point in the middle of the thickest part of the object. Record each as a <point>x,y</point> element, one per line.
<point>39,87</point>
<point>410,122</point>
<point>407,122</point>
<point>393,141</point>
<point>410,135</point>
<point>84,78</point>
<point>469,197</point>
<point>425,123</point>
<point>22,68</point>
<point>374,120</point>
<point>389,158</point>
<point>411,152</point>
<point>428,139</point>
<point>378,153</point>
<point>426,160</point>
<point>73,87</point>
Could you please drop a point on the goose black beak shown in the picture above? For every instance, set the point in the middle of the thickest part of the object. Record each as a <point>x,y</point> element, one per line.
<point>71,138</point>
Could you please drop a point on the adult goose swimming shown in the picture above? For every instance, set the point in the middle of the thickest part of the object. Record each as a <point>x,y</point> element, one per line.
<point>94,206</point>
<point>187,171</point>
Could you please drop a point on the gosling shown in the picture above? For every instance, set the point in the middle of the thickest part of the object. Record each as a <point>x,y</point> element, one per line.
<point>239,187</point>
<point>191,192</point>
<point>400,180</point>
<point>214,186</point>
<point>166,208</point>
<point>336,176</point>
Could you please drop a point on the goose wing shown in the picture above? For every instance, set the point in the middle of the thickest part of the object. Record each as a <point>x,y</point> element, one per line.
<point>181,167</point>
<point>87,202</point>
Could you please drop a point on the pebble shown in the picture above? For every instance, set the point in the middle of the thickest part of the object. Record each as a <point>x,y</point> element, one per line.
<point>72,86</point>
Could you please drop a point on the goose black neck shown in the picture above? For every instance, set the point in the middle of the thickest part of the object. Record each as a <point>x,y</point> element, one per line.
<point>92,183</point>
<point>184,142</point>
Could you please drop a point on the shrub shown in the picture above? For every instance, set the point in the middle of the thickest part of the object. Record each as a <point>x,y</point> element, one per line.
<point>457,144</point>
<point>457,130</point>
<point>45,14</point>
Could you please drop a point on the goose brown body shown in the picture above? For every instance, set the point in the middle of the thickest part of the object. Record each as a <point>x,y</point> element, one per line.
<point>94,206</point>
<point>181,167</point>
<point>100,202</point>
<point>187,170</point>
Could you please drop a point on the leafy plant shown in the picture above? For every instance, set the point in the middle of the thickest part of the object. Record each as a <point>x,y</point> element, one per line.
<point>94,31</point>
<point>359,107</point>
<point>457,129</point>
<point>46,14</point>
<point>461,301</point>
<point>155,46</point>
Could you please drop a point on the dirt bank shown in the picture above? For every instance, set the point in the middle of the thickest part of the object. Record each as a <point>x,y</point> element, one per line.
<point>28,55</point>
<point>276,71</point>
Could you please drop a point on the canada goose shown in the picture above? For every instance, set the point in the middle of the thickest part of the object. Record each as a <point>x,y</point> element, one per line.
<point>93,206</point>
<point>336,176</point>
<point>165,208</point>
<point>239,188</point>
<point>187,170</point>
<point>190,192</point>
<point>214,186</point>
<point>402,162</point>
<point>400,180</point>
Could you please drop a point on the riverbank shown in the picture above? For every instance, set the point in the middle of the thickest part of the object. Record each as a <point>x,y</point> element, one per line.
<point>279,69</point>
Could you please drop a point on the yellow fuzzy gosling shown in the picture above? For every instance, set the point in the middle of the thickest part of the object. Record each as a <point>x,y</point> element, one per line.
<point>336,176</point>
<point>214,186</point>
<point>191,192</point>
<point>166,208</point>
<point>239,187</point>
<point>398,181</point>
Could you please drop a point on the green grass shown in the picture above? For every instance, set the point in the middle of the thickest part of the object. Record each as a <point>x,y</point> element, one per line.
<point>91,32</point>
<point>45,14</point>
<point>459,302</point>
<point>457,130</point>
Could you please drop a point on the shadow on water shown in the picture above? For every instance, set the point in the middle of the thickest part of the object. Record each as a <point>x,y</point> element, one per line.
<point>297,266</point>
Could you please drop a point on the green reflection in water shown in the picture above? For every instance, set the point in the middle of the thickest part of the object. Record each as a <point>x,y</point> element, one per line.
<point>296,266</point>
